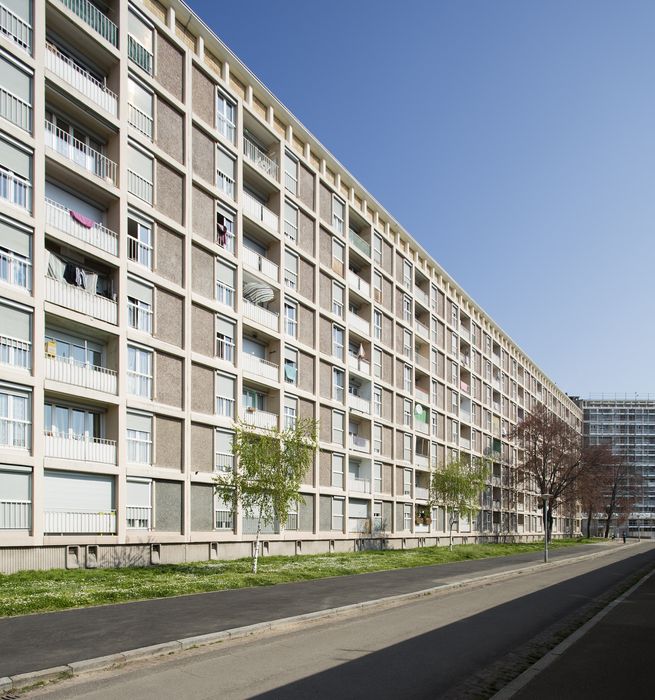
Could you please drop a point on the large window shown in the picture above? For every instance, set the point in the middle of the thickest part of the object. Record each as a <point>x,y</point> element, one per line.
<point>291,366</point>
<point>337,299</point>
<point>291,318</point>
<point>15,93</point>
<point>140,107</point>
<point>15,252</point>
<point>337,513</point>
<point>225,171</point>
<point>15,498</point>
<point>139,241</point>
<point>290,221</point>
<point>290,412</point>
<point>338,418</point>
<point>139,372</point>
<point>15,418</point>
<point>139,305</point>
<point>225,117</point>
<point>337,341</point>
<point>16,336</point>
<point>337,471</point>
<point>338,213</point>
<point>139,438</point>
<point>290,173</point>
<point>290,270</point>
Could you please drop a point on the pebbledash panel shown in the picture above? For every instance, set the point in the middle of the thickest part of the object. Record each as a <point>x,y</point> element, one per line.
<point>178,252</point>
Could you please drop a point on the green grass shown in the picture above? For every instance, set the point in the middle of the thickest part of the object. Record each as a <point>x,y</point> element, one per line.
<point>58,589</point>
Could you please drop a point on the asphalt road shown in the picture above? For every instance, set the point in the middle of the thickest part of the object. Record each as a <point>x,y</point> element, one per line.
<point>433,648</point>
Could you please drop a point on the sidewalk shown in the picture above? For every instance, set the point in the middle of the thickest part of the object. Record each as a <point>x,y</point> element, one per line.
<point>34,642</point>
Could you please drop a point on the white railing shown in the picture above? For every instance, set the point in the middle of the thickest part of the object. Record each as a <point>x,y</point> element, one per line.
<point>465,332</point>
<point>422,296</point>
<point>465,443</point>
<point>259,159</point>
<point>464,416</point>
<point>223,462</point>
<point>95,18</point>
<point>358,284</point>
<point>262,368</point>
<point>225,127</point>
<point>359,364</point>
<point>225,294</point>
<point>421,492</point>
<point>359,324</point>
<point>16,28</point>
<point>357,442</point>
<point>139,385</point>
<point>139,317</point>
<point>260,419</point>
<point>139,252</point>
<point>80,79</point>
<point>139,450</point>
<point>15,352</point>
<point>259,314</point>
<point>99,236</point>
<point>359,243</point>
<point>138,517</point>
<point>139,186</point>
<point>223,520</point>
<point>15,190</point>
<point>257,211</point>
<point>15,270</point>
<point>80,521</point>
<point>359,404</point>
<point>78,299</point>
<point>225,183</point>
<point>80,153</point>
<point>15,110</point>
<point>86,449</point>
<point>359,485</point>
<point>421,460</point>
<point>224,407</point>
<point>70,371</point>
<point>258,262</point>
<point>15,432</point>
<point>138,119</point>
<point>421,396</point>
<point>422,427</point>
<point>292,521</point>
<point>15,515</point>
<point>422,330</point>
<point>225,349</point>
<point>290,183</point>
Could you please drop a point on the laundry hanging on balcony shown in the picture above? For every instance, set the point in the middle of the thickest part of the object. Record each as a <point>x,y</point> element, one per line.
<point>81,219</point>
<point>258,292</point>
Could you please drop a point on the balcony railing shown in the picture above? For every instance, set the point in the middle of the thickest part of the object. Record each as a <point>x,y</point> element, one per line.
<point>225,294</point>
<point>139,317</point>
<point>15,190</point>
<point>15,270</point>
<point>422,296</point>
<point>422,427</point>
<point>139,54</point>
<point>225,349</point>
<point>358,323</point>
<point>80,79</point>
<point>359,404</point>
<point>258,262</point>
<point>257,211</point>
<point>69,371</point>
<point>139,186</point>
<point>422,330</point>
<point>138,119</point>
<point>97,20</point>
<point>15,110</point>
<point>97,235</point>
<point>358,485</point>
<point>79,522</point>
<point>259,314</point>
<point>262,368</point>
<point>138,517</point>
<point>225,183</point>
<point>223,462</point>
<point>259,159</point>
<point>79,447</point>
<point>79,153</point>
<point>223,520</point>
<point>421,460</point>
<point>359,243</point>
<point>357,442</point>
<point>15,432</point>
<point>15,515</point>
<point>224,407</point>
<point>78,299</point>
<point>421,395</point>
<point>260,419</point>
<point>16,28</point>
<point>15,352</point>
<point>359,364</point>
<point>358,284</point>
<point>139,252</point>
<point>139,450</point>
<point>421,492</point>
<point>139,385</point>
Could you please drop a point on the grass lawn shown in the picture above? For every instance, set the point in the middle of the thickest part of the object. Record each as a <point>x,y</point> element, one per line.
<point>41,591</point>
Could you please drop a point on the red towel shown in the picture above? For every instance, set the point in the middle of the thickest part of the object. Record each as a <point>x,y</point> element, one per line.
<point>82,220</point>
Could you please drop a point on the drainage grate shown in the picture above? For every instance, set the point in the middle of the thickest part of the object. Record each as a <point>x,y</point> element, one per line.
<point>10,696</point>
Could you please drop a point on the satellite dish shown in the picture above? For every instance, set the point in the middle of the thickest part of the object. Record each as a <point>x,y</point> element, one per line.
<point>419,409</point>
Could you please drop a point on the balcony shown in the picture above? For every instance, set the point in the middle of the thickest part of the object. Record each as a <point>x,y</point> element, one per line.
<point>422,297</point>
<point>223,520</point>
<point>359,443</point>
<point>262,368</point>
<point>15,28</point>
<point>68,221</point>
<point>464,386</point>
<point>77,299</point>
<point>15,353</point>
<point>260,419</point>
<point>259,159</point>
<point>465,443</point>
<point>465,333</point>
<point>361,286</point>
<point>138,517</point>
<point>223,462</point>
<point>258,212</point>
<point>139,120</point>
<point>79,522</point>
<point>69,371</point>
<point>421,493</point>
<point>422,330</point>
<point>269,319</point>
<point>84,449</point>
<point>139,54</point>
<point>359,243</point>
<point>15,110</point>
<point>139,186</point>
<point>80,79</point>
<point>422,427</point>
<point>357,403</point>
<point>258,262</point>
<point>15,515</point>
<point>422,461</point>
<point>94,18</point>
<point>359,364</point>
<point>15,190</point>
<point>357,485</point>
<point>225,294</point>
<point>80,154</point>
<point>421,396</point>
<point>359,324</point>
<point>15,270</point>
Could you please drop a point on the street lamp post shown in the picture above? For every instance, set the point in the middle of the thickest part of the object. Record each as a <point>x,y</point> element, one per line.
<point>546,497</point>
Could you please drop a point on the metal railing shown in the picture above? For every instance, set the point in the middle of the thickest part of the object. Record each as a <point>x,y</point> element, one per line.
<point>15,432</point>
<point>262,368</point>
<point>139,450</point>
<point>15,514</point>
<point>224,407</point>
<point>80,79</point>
<point>80,447</point>
<point>95,18</point>
<point>257,211</point>
<point>225,349</point>
<point>291,183</point>
<point>16,28</point>
<point>70,371</point>
<point>139,384</point>
<point>15,270</point>
<point>138,317</point>
<point>260,419</point>
<point>258,262</point>
<point>292,521</point>
<point>224,294</point>
<point>79,522</point>
<point>139,252</point>
<point>259,159</point>
<point>223,462</point>
<point>139,186</point>
<point>138,517</point>
<point>139,54</point>
<point>359,243</point>
<point>259,314</point>
<point>15,352</point>
<point>138,119</point>
<point>78,299</point>
<point>225,183</point>
<point>15,189</point>
<point>249,526</point>
<point>15,110</point>
<point>223,520</point>
<point>99,236</point>
<point>80,153</point>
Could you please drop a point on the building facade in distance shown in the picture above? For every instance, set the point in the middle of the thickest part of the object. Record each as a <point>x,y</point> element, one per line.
<point>178,252</point>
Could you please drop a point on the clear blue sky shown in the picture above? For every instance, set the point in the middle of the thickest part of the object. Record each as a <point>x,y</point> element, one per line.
<point>514,140</point>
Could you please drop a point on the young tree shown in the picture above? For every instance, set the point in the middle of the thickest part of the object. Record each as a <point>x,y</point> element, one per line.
<point>270,467</point>
<point>622,483</point>
<point>593,483</point>
<point>457,485</point>
<point>552,452</point>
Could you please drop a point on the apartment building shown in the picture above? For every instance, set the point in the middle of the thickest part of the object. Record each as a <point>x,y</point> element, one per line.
<point>627,425</point>
<point>177,252</point>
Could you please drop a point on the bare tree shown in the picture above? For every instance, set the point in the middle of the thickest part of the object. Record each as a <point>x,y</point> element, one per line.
<point>593,483</point>
<point>622,483</point>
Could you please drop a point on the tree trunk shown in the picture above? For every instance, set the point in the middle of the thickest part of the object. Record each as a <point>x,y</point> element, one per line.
<point>451,522</point>
<point>589,524</point>
<point>607,526</point>
<point>255,557</point>
<point>549,523</point>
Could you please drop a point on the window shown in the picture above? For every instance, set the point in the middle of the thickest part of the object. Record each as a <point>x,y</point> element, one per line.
<point>291,366</point>
<point>454,373</point>
<point>407,482</point>
<point>139,305</point>
<point>225,284</point>
<point>377,248</point>
<point>290,221</point>
<point>224,339</point>
<point>15,418</point>
<point>377,287</point>
<point>139,438</point>
<point>140,173</point>
<point>337,471</point>
<point>407,516</point>
<point>407,447</point>
<point>337,299</point>
<point>16,336</point>
<point>454,402</point>
<point>15,251</point>
<point>15,174</point>
<point>337,514</point>
<point>225,117</point>
<point>377,439</point>
<point>225,229</point>
<point>454,431</point>
<point>407,378</point>
<point>139,372</point>
<point>377,477</point>
<point>434,424</point>
<point>223,456</point>
<point>377,363</point>
<point>224,387</point>
<point>290,412</point>
<point>16,104</point>
<point>377,401</point>
<point>407,273</point>
<point>454,316</point>
<point>290,173</point>
<point>337,256</point>
<point>139,241</point>
<point>139,42</point>
<point>377,324</point>
<point>434,355</point>
<point>337,341</point>
<point>338,418</point>
<point>338,376</point>
<point>338,213</point>
<point>15,498</point>
<point>290,270</point>
<point>407,308</point>
<point>225,169</point>
<point>223,515</point>
<point>291,318</point>
<point>407,343</point>
<point>454,344</point>
<point>139,107</point>
<point>138,506</point>
<point>407,412</point>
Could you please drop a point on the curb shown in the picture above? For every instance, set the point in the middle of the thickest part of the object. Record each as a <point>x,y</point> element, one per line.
<point>106,663</point>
